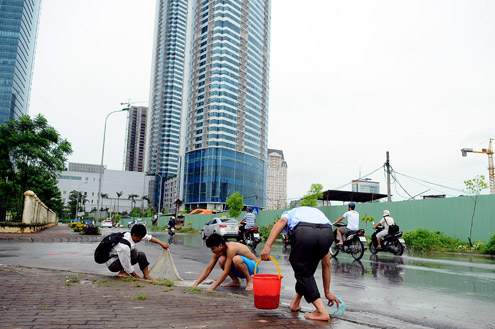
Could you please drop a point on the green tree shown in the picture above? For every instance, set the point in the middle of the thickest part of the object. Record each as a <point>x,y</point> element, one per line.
<point>235,202</point>
<point>144,197</point>
<point>31,157</point>
<point>475,186</point>
<point>119,194</point>
<point>311,198</point>
<point>136,212</point>
<point>132,197</point>
<point>74,199</point>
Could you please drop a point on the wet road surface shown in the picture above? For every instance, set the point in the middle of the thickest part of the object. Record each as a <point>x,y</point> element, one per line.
<point>440,291</point>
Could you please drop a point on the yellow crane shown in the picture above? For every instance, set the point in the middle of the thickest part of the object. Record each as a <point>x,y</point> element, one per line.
<point>489,152</point>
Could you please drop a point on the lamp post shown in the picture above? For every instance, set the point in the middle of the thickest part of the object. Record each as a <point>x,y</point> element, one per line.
<point>101,165</point>
<point>79,196</point>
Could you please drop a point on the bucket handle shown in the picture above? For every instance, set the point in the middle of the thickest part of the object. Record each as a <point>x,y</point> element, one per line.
<point>273,259</point>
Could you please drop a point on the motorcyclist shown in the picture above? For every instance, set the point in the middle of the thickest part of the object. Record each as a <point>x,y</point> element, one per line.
<point>247,222</point>
<point>352,217</point>
<point>386,221</point>
<point>171,223</point>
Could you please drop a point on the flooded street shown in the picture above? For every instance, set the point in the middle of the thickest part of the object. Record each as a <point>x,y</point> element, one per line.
<point>434,290</point>
<point>438,290</point>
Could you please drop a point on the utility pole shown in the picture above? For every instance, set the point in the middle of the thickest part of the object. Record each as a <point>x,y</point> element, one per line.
<point>387,164</point>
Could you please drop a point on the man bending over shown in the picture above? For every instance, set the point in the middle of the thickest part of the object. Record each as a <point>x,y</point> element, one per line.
<point>235,259</point>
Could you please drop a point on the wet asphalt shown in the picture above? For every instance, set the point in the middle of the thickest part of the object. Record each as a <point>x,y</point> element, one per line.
<point>435,291</point>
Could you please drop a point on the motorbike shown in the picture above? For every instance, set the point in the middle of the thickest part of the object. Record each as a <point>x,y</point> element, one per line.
<point>171,231</point>
<point>251,236</point>
<point>393,243</point>
<point>354,243</point>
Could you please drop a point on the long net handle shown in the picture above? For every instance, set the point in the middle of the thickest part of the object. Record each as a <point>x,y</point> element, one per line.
<point>273,259</point>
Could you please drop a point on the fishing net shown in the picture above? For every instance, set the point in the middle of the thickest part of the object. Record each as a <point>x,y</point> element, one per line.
<point>164,268</point>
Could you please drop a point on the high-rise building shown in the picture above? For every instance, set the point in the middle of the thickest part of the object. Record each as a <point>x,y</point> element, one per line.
<point>18,32</point>
<point>276,180</point>
<point>209,99</point>
<point>136,138</point>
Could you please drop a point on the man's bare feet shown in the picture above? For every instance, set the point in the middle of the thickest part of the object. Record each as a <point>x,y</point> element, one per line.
<point>232,284</point>
<point>150,278</point>
<point>123,274</point>
<point>249,286</point>
<point>294,306</point>
<point>315,315</point>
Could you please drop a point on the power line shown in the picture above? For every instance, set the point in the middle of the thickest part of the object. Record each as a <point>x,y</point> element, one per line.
<point>361,177</point>
<point>422,180</point>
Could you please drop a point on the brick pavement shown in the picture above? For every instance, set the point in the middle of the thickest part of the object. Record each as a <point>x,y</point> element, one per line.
<point>41,298</point>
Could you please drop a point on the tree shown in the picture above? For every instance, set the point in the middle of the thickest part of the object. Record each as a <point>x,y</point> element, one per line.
<point>235,202</point>
<point>144,197</point>
<point>136,212</point>
<point>133,199</point>
<point>311,198</point>
<point>119,194</point>
<point>31,157</point>
<point>475,186</point>
<point>74,197</point>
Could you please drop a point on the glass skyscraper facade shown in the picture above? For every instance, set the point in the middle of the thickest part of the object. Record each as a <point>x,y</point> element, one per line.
<point>18,32</point>
<point>222,144</point>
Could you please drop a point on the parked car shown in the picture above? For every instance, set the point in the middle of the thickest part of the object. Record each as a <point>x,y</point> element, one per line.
<point>226,227</point>
<point>106,223</point>
<point>137,221</point>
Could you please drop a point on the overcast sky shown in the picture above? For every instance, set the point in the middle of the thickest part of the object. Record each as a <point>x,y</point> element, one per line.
<point>349,80</point>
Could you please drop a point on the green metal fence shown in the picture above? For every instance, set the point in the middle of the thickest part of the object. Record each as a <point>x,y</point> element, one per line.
<point>451,216</point>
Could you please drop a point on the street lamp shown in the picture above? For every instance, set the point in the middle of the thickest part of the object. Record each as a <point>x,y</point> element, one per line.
<point>101,165</point>
<point>79,197</point>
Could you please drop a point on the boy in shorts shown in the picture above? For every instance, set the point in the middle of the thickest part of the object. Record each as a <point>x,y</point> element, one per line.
<point>235,259</point>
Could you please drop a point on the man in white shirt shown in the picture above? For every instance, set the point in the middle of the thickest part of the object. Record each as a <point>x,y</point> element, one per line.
<point>124,255</point>
<point>352,217</point>
<point>311,237</point>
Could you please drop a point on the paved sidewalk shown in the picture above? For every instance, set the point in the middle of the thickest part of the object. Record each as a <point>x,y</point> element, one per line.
<point>33,297</point>
<point>42,298</point>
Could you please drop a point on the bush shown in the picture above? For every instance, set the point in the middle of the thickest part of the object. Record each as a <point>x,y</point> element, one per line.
<point>78,227</point>
<point>90,229</point>
<point>488,248</point>
<point>425,240</point>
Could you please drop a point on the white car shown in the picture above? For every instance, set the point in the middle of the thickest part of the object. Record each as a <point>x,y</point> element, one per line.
<point>226,227</point>
<point>106,223</point>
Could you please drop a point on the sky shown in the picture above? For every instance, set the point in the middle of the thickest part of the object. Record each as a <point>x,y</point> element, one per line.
<point>349,81</point>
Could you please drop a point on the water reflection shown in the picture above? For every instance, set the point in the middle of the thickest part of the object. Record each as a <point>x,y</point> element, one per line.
<point>392,269</point>
<point>356,268</point>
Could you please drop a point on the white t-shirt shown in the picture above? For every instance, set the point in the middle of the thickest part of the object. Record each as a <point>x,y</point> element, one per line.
<point>352,217</point>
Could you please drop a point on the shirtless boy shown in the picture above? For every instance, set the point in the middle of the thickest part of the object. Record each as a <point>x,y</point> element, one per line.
<point>236,260</point>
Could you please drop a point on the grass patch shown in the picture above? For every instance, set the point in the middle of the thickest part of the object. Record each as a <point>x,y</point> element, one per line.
<point>141,297</point>
<point>194,290</point>
<point>168,283</point>
<point>167,289</point>
<point>128,279</point>
<point>75,279</point>
<point>138,285</point>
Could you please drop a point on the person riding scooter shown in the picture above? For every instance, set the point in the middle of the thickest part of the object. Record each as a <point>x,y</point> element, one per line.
<point>386,221</point>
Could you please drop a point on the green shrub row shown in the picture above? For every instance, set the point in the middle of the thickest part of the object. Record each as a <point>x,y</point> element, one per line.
<point>424,241</point>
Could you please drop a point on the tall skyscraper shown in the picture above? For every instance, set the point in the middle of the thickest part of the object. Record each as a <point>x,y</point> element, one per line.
<point>18,33</point>
<point>209,99</point>
<point>276,180</point>
<point>136,138</point>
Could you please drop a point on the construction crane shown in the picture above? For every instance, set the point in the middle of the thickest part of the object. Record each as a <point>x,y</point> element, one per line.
<point>491,170</point>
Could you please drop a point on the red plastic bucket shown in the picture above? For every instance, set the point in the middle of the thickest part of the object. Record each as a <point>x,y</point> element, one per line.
<point>266,288</point>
